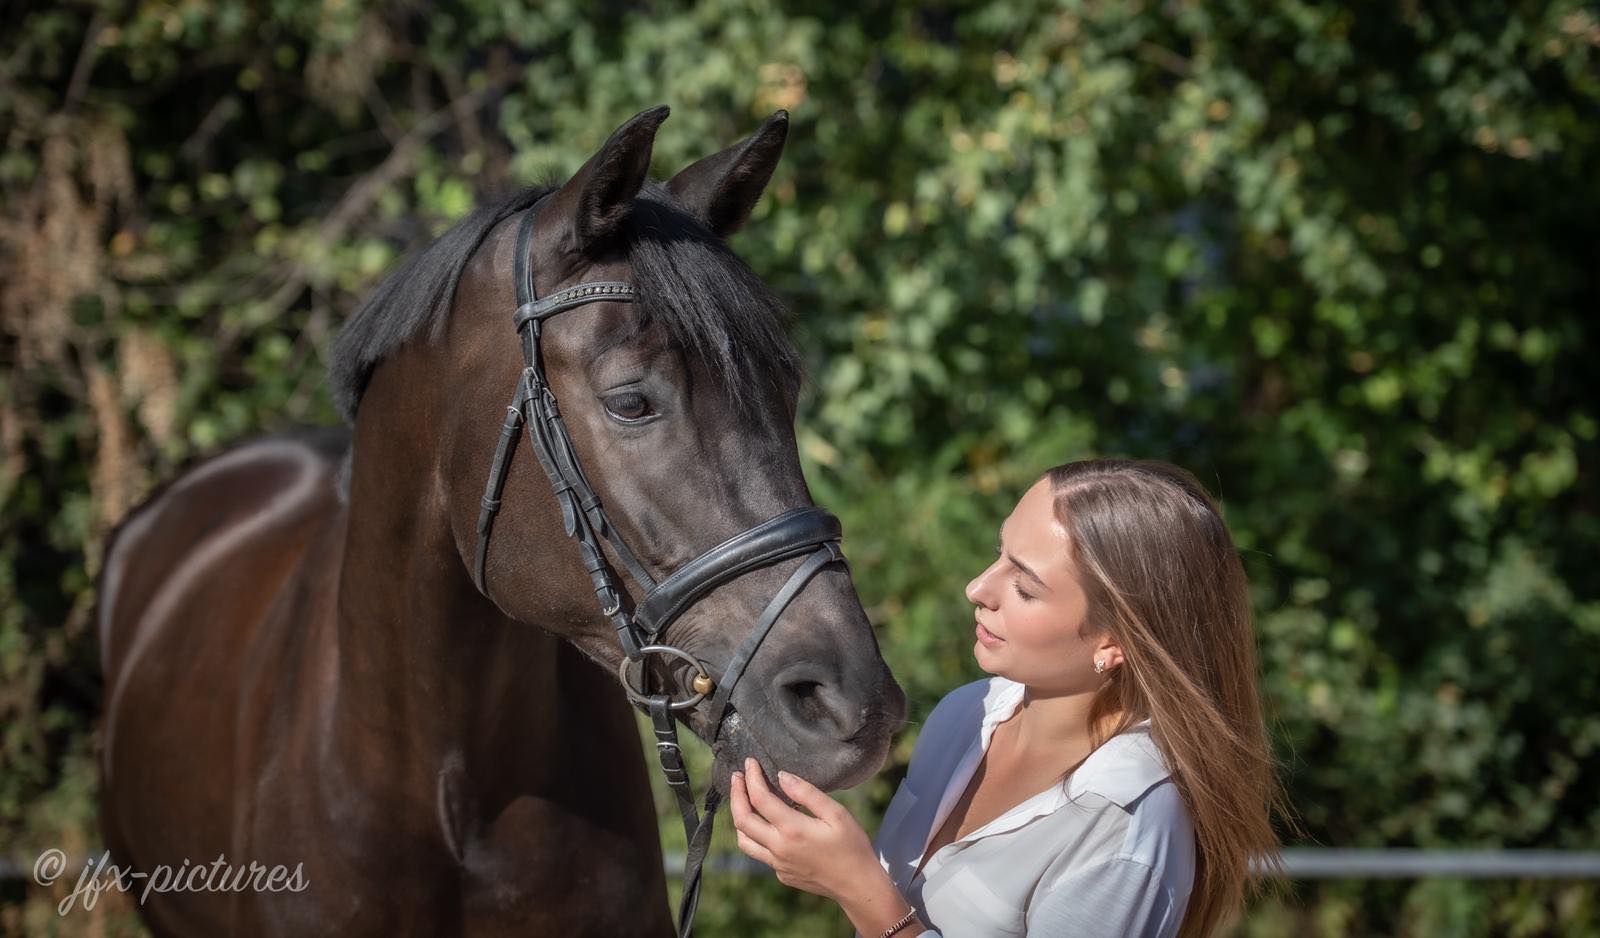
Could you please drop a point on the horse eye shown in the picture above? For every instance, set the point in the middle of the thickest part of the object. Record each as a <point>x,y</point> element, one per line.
<point>629,406</point>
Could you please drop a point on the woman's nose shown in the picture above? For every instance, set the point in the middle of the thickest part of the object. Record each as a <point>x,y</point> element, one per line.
<point>978,590</point>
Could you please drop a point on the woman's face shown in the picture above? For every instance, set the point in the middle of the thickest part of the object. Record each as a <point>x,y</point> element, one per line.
<point>1031,613</point>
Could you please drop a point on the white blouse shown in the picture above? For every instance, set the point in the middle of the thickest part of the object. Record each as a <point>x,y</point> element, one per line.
<point>1113,855</point>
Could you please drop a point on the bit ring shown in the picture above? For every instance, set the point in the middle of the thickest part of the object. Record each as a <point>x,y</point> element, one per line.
<point>638,696</point>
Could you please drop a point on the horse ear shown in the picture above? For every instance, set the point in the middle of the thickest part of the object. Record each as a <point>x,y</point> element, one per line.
<point>722,189</point>
<point>598,196</point>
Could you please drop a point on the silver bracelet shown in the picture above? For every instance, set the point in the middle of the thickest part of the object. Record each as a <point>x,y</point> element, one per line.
<point>900,924</point>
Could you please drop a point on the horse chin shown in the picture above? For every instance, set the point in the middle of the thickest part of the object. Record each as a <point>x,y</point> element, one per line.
<point>735,744</point>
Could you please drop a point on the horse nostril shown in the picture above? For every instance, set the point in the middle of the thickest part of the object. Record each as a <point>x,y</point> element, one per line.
<point>809,702</point>
<point>805,692</point>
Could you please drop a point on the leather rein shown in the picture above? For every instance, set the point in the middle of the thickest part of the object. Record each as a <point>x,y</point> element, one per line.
<point>810,532</point>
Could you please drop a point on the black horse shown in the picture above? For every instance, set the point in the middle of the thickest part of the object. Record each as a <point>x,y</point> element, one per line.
<point>301,671</point>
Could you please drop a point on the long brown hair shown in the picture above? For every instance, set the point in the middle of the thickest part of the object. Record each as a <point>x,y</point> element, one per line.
<point>1163,578</point>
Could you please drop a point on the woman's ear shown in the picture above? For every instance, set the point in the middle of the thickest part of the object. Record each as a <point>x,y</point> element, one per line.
<point>1109,653</point>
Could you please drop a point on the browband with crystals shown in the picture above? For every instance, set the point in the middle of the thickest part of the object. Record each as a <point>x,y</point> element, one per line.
<point>613,291</point>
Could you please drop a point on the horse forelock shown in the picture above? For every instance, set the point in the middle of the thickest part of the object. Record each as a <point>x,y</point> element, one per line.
<point>710,302</point>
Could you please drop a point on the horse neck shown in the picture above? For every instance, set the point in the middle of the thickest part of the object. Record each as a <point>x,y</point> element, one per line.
<point>430,673</point>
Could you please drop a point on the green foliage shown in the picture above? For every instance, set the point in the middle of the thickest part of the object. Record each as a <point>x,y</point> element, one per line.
<point>1334,259</point>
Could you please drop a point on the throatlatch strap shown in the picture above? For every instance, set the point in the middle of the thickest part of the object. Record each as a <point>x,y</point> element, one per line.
<point>490,503</point>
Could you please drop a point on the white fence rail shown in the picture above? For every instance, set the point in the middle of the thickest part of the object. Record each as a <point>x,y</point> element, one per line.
<point>1298,863</point>
<point>1339,863</point>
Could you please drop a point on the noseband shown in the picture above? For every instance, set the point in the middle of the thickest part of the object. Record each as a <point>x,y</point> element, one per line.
<point>809,532</point>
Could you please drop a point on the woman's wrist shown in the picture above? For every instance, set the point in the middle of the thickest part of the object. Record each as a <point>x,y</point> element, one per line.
<point>875,904</point>
<point>907,926</point>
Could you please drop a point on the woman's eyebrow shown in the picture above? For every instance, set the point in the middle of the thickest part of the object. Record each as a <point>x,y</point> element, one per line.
<point>1012,559</point>
<point>1025,569</point>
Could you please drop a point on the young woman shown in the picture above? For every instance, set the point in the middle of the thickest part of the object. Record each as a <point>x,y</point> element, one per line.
<point>1111,778</point>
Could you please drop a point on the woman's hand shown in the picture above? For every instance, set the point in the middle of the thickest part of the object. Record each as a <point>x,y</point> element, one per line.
<point>828,854</point>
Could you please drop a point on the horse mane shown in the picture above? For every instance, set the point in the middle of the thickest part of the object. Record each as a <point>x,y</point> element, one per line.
<point>710,302</point>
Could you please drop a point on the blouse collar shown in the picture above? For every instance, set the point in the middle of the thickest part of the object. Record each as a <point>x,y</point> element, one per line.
<point>1120,770</point>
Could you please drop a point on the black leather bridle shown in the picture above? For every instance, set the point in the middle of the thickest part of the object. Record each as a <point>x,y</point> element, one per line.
<point>809,531</point>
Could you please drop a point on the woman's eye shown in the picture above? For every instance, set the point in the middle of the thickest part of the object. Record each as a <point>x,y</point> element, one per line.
<point>1021,592</point>
<point>629,406</point>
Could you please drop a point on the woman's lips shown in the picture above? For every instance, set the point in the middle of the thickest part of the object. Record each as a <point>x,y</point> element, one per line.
<point>988,637</point>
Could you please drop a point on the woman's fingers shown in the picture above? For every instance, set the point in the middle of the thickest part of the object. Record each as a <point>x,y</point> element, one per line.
<point>755,851</point>
<point>768,804</point>
<point>745,818</point>
<point>808,796</point>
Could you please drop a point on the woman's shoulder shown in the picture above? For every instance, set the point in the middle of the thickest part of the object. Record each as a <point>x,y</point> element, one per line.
<point>1131,773</point>
<point>1145,849</point>
<point>1140,877</point>
<point>1160,833</point>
